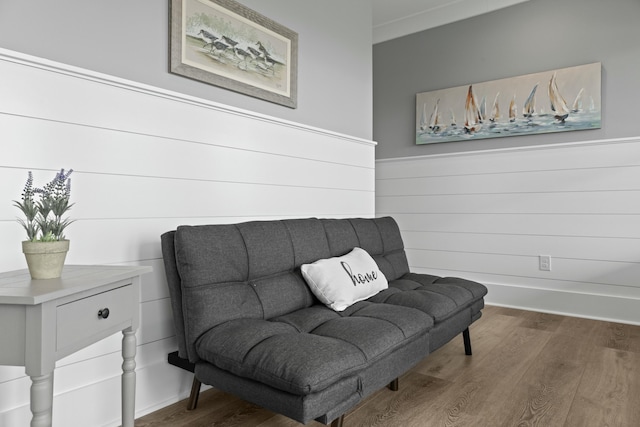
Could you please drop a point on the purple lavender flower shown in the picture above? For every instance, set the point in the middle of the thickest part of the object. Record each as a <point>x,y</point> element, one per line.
<point>44,220</point>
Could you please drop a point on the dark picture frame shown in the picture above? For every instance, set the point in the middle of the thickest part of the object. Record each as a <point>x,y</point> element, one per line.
<point>226,44</point>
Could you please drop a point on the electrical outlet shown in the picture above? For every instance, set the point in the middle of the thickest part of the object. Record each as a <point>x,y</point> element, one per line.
<point>544,262</point>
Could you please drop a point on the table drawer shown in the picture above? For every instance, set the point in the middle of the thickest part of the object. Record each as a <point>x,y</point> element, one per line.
<point>78,320</point>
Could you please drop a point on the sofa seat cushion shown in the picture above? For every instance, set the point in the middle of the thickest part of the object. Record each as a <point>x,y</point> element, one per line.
<point>308,350</point>
<point>440,297</point>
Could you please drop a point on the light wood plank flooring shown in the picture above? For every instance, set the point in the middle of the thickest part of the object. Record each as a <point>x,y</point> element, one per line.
<point>527,369</point>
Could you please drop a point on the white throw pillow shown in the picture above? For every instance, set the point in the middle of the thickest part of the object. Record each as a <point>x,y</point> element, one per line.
<point>342,281</point>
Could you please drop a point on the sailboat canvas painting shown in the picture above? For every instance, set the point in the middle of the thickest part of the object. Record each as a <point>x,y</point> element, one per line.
<point>559,100</point>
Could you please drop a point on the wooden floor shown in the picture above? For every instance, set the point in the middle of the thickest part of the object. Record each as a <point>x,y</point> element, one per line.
<point>527,369</point>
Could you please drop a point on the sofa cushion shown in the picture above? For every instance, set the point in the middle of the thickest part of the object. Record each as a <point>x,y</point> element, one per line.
<point>440,297</point>
<point>283,354</point>
<point>308,239</point>
<point>341,281</point>
<point>238,271</point>
<point>369,237</point>
<point>392,260</point>
<point>380,237</point>
<point>210,254</point>
<point>341,236</point>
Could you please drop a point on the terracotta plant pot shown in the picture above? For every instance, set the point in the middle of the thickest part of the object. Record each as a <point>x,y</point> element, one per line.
<point>45,259</point>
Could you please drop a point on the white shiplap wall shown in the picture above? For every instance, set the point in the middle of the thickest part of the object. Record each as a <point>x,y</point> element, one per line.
<point>147,160</point>
<point>488,215</point>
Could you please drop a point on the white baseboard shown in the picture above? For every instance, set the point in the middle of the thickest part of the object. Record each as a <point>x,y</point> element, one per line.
<point>598,307</point>
<point>167,402</point>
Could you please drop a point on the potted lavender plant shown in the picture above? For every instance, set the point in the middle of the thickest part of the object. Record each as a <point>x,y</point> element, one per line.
<point>46,246</point>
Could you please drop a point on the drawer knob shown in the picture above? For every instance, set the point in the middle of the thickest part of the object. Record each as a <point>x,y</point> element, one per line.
<point>104,313</point>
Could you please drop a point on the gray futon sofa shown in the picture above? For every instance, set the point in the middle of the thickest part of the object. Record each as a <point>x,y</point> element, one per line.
<point>247,322</point>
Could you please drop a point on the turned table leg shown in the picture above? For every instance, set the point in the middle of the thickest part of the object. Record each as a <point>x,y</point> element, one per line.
<point>41,399</point>
<point>128,377</point>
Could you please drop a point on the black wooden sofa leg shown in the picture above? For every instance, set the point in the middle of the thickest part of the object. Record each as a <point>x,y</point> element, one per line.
<point>467,342</point>
<point>178,361</point>
<point>195,393</point>
<point>393,385</point>
<point>338,422</point>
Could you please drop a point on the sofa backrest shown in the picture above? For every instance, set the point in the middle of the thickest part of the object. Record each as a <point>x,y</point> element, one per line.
<point>380,237</point>
<point>218,273</point>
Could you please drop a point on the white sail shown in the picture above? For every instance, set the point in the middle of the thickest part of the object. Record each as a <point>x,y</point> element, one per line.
<point>529,107</point>
<point>435,123</point>
<point>471,113</point>
<point>495,111</point>
<point>577,104</point>
<point>558,104</point>
<point>423,120</point>
<point>513,109</point>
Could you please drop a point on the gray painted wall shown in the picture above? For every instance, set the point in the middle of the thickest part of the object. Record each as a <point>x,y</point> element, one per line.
<point>534,36</point>
<point>130,39</point>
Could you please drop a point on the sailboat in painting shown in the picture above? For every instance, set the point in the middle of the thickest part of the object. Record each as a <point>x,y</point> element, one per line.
<point>529,108</point>
<point>495,111</point>
<point>577,104</point>
<point>513,109</point>
<point>472,116</point>
<point>423,119</point>
<point>483,109</point>
<point>558,104</point>
<point>435,123</point>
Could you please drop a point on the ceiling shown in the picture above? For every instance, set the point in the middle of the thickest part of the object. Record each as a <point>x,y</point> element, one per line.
<point>397,18</point>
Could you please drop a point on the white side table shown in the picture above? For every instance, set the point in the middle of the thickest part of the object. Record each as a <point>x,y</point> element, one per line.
<point>50,319</point>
